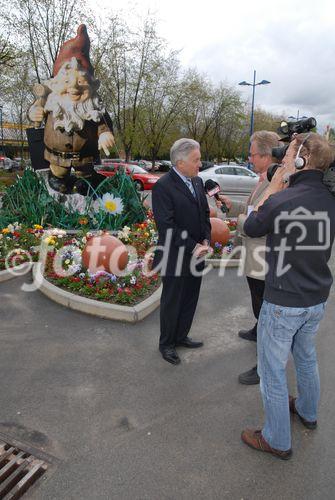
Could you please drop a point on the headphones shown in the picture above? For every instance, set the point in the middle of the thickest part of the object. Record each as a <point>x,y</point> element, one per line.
<point>300,161</point>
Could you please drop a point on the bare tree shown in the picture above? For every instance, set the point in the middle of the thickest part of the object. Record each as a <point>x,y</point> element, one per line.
<point>162,104</point>
<point>7,54</point>
<point>41,27</point>
<point>125,71</point>
<point>17,92</point>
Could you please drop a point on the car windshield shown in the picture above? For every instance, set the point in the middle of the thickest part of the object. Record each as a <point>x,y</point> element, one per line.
<point>135,169</point>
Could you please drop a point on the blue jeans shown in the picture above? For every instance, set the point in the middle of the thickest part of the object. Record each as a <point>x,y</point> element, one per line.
<point>281,330</point>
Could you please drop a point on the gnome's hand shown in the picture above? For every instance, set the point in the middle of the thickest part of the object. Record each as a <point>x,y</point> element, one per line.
<point>106,142</point>
<point>36,113</point>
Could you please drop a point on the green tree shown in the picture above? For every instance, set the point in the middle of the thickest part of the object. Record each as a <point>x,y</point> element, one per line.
<point>162,103</point>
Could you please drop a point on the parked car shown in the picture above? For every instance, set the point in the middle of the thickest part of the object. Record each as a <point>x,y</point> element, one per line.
<point>6,163</point>
<point>205,165</point>
<point>142,179</point>
<point>231,178</point>
<point>19,162</point>
<point>165,165</point>
<point>110,161</point>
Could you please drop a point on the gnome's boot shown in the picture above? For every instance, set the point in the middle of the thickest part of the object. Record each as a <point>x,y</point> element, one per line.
<point>63,184</point>
<point>85,182</point>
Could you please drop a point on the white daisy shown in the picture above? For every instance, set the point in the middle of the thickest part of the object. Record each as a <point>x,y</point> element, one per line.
<point>111,204</point>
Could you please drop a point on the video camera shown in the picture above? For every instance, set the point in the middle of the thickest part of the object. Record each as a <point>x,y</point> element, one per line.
<point>288,129</point>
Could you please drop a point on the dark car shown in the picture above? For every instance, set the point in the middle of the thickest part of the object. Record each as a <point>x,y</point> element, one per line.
<point>165,165</point>
<point>205,165</point>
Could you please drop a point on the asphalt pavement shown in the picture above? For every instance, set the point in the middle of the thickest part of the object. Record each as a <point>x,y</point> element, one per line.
<point>124,424</point>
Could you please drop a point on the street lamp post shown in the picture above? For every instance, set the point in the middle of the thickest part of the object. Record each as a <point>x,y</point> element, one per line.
<point>298,117</point>
<point>253,85</point>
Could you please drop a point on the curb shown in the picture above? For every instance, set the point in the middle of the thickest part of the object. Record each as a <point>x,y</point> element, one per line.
<point>223,262</point>
<point>16,272</point>
<point>131,314</point>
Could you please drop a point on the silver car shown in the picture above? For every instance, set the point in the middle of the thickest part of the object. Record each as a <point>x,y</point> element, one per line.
<point>232,179</point>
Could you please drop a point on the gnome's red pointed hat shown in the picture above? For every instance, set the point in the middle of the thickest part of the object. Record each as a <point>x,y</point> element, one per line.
<point>78,47</point>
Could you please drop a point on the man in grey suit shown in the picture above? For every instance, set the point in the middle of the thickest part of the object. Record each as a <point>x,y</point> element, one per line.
<point>260,156</point>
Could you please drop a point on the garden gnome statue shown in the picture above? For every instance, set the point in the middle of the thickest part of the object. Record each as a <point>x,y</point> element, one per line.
<point>76,124</point>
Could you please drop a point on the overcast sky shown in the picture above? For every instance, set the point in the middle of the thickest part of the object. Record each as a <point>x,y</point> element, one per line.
<point>289,43</point>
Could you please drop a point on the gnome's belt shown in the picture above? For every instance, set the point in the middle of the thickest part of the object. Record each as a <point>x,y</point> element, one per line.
<point>64,154</point>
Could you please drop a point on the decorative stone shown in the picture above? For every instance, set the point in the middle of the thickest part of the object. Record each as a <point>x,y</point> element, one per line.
<point>213,212</point>
<point>220,232</point>
<point>105,253</point>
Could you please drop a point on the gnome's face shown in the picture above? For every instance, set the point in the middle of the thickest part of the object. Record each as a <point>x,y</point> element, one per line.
<point>73,83</point>
<point>73,98</point>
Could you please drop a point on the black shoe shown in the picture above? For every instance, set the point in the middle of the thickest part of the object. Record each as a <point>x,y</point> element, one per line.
<point>61,184</point>
<point>307,423</point>
<point>250,377</point>
<point>170,355</point>
<point>248,335</point>
<point>85,186</point>
<point>82,186</point>
<point>188,342</point>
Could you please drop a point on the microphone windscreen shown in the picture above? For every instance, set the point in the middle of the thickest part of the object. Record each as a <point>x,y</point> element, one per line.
<point>211,187</point>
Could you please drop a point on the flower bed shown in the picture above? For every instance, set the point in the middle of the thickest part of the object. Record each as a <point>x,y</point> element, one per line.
<point>103,286</point>
<point>18,244</point>
<point>63,266</point>
<point>231,223</point>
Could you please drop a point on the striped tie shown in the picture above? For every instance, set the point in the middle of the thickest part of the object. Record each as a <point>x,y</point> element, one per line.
<point>190,186</point>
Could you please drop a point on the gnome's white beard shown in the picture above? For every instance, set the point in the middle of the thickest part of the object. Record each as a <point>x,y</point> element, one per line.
<point>71,116</point>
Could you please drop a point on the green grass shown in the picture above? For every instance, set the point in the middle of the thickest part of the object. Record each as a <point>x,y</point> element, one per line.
<point>29,202</point>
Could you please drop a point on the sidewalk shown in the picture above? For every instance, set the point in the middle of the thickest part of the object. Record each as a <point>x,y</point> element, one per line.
<point>126,425</point>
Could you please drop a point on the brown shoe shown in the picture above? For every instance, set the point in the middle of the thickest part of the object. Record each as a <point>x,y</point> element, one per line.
<point>306,423</point>
<point>255,440</point>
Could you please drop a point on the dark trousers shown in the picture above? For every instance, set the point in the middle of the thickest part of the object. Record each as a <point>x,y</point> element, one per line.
<point>178,304</point>
<point>256,291</point>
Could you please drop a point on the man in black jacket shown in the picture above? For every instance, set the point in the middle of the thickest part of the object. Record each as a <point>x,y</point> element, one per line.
<point>299,223</point>
<point>182,216</point>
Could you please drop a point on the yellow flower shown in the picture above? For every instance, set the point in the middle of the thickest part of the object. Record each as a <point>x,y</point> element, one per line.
<point>37,226</point>
<point>5,230</point>
<point>50,240</point>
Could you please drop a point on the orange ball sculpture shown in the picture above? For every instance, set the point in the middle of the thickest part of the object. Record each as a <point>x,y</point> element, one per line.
<point>105,253</point>
<point>213,212</point>
<point>220,231</point>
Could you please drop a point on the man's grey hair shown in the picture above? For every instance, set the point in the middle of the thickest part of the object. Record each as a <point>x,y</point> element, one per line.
<point>265,141</point>
<point>181,149</point>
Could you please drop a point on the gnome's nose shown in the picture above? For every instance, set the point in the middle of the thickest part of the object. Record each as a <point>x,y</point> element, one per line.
<point>73,87</point>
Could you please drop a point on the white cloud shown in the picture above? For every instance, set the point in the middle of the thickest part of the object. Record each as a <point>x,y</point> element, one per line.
<point>290,44</point>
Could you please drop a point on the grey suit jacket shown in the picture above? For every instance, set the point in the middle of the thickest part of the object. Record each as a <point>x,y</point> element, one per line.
<point>252,267</point>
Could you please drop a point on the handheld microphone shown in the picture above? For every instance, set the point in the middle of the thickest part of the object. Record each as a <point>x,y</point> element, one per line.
<point>212,188</point>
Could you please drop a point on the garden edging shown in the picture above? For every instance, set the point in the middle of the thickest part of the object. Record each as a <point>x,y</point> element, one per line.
<point>223,262</point>
<point>105,310</point>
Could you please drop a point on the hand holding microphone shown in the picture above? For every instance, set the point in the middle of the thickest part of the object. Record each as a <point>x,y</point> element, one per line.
<point>212,188</point>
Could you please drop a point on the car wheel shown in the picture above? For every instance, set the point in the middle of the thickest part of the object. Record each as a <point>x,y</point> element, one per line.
<point>138,185</point>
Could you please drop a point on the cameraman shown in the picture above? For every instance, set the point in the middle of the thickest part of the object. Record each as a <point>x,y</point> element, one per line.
<point>297,286</point>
